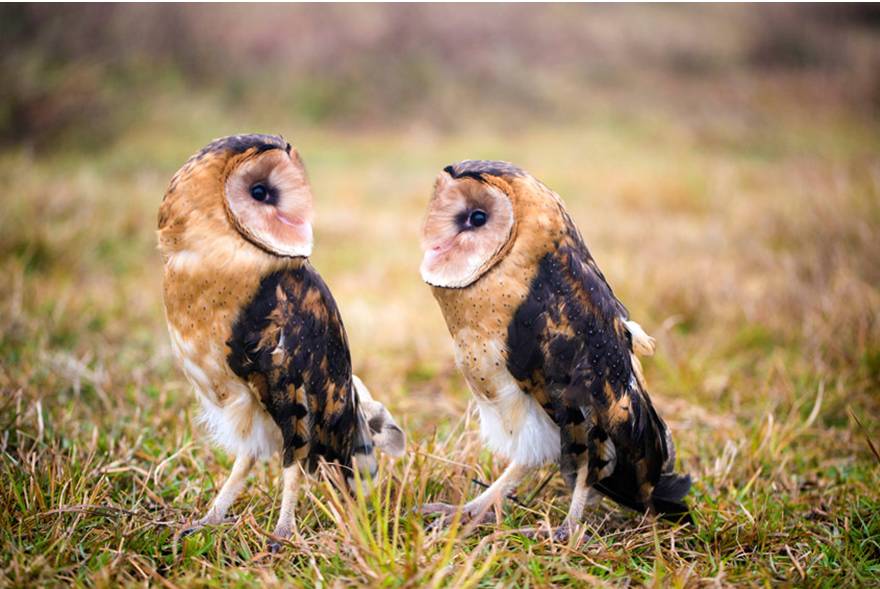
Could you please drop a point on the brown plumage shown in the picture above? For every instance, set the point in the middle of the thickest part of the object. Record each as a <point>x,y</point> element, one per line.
<point>254,326</point>
<point>546,347</point>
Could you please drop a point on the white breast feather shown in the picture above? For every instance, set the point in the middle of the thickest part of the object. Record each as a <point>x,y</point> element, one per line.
<point>512,423</point>
<point>517,427</point>
<point>240,425</point>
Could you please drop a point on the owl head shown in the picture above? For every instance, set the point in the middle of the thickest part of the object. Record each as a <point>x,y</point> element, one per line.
<point>477,212</point>
<point>240,193</point>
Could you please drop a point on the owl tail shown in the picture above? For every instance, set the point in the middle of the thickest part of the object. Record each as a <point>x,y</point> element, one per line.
<point>363,457</point>
<point>668,498</point>
<point>655,445</point>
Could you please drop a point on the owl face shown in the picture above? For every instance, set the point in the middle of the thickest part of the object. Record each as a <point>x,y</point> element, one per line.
<point>467,229</point>
<point>269,202</point>
<point>244,187</point>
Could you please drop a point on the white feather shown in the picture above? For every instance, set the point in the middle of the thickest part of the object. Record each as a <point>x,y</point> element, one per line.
<point>512,423</point>
<point>532,442</point>
<point>241,426</point>
<point>643,344</point>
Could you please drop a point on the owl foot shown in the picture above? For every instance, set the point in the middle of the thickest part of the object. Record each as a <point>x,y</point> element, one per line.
<point>446,512</point>
<point>204,522</point>
<point>278,539</point>
<point>560,534</point>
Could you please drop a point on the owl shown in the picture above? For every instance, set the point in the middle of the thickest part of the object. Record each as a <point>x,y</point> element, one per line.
<point>253,326</point>
<point>546,348</point>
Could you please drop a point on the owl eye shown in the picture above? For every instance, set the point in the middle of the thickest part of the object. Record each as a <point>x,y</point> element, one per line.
<point>259,192</point>
<point>478,218</point>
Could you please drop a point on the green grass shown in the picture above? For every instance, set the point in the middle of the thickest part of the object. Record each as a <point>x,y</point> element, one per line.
<point>752,258</point>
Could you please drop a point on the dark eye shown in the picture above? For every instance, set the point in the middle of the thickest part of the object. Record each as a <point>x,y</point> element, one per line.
<point>259,192</point>
<point>478,218</point>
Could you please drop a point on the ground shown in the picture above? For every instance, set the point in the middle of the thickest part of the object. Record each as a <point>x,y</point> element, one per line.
<point>747,245</point>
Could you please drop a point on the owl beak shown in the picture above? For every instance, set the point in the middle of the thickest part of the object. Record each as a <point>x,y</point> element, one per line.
<point>295,230</point>
<point>292,221</point>
<point>438,250</point>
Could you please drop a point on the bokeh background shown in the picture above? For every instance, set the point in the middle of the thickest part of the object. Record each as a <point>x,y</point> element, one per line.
<point>723,163</point>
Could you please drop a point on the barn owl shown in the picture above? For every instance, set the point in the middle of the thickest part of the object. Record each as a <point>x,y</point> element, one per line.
<point>255,328</point>
<point>546,348</point>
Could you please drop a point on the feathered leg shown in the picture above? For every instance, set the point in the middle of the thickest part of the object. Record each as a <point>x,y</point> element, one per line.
<point>289,492</point>
<point>230,490</point>
<point>585,450</point>
<point>581,496</point>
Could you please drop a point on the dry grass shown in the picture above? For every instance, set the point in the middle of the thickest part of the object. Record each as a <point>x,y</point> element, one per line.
<point>747,243</point>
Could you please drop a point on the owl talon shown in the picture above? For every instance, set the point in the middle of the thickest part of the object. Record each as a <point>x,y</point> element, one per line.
<point>441,509</point>
<point>536,533</point>
<point>274,546</point>
<point>278,539</point>
<point>560,534</point>
<point>203,523</point>
<point>446,513</point>
<point>189,530</point>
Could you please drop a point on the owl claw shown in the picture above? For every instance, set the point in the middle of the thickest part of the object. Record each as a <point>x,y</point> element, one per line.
<point>446,513</point>
<point>203,523</point>
<point>274,546</point>
<point>560,534</point>
<point>278,539</point>
<point>437,509</point>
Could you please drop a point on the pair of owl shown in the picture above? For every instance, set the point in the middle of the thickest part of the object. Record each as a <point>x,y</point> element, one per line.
<point>546,348</point>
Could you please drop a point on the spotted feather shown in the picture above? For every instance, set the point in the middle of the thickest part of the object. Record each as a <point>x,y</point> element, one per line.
<point>290,344</point>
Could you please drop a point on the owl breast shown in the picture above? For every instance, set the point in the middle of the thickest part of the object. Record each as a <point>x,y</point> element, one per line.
<point>512,423</point>
<point>231,414</point>
<point>200,306</point>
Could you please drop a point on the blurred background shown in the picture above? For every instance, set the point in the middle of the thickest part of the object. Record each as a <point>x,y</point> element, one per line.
<point>716,157</point>
<point>723,163</point>
<point>87,73</point>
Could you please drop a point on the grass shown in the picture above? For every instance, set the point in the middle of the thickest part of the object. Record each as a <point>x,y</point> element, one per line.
<point>750,253</point>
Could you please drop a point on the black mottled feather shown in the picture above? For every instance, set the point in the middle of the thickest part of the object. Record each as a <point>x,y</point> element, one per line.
<point>289,343</point>
<point>568,335</point>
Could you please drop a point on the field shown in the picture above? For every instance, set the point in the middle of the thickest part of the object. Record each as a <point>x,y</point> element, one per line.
<point>734,208</point>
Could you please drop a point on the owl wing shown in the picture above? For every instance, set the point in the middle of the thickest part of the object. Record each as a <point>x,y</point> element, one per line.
<point>641,343</point>
<point>571,336</point>
<point>290,345</point>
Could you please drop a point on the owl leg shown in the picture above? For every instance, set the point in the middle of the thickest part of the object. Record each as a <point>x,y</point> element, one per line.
<point>497,491</point>
<point>600,460</point>
<point>585,448</point>
<point>582,495</point>
<point>227,495</point>
<point>478,510</point>
<point>286,521</point>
